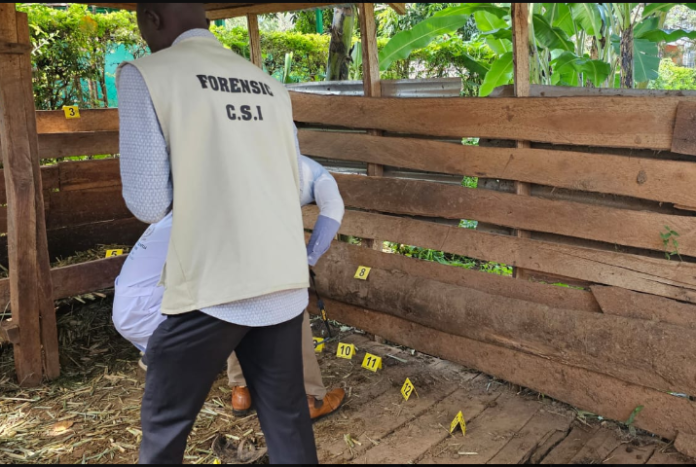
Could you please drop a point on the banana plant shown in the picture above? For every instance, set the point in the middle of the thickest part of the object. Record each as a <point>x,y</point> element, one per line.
<point>577,44</point>
<point>444,22</point>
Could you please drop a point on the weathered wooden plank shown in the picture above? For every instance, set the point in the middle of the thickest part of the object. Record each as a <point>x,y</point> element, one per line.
<point>621,302</point>
<point>381,395</point>
<point>83,278</point>
<point>86,143</point>
<point>99,120</point>
<point>646,353</point>
<point>540,90</point>
<point>605,121</point>
<point>569,447</point>
<point>18,156</point>
<point>76,207</point>
<point>663,414</point>
<point>77,279</point>
<point>664,181</point>
<point>49,178</point>
<point>558,297</point>
<point>617,226</point>
<point>667,456</point>
<point>545,448</point>
<point>84,175</point>
<point>631,454</point>
<point>684,139</point>
<point>411,442</point>
<point>488,434</point>
<point>670,279</point>
<point>66,241</point>
<point>543,426</point>
<point>629,122</point>
<point>598,448</point>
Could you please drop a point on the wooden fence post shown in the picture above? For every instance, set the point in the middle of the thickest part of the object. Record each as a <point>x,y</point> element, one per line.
<point>521,53</point>
<point>372,87</point>
<point>29,283</point>
<point>371,82</point>
<point>49,326</point>
<point>254,40</point>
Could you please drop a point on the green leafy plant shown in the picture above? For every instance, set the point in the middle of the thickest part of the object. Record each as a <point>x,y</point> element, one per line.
<point>669,239</point>
<point>577,44</point>
<point>631,420</point>
<point>674,77</point>
<point>420,35</point>
<point>71,46</point>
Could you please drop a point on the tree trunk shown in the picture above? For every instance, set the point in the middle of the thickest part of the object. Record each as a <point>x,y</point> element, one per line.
<point>341,42</point>
<point>627,58</point>
<point>78,91</point>
<point>104,89</point>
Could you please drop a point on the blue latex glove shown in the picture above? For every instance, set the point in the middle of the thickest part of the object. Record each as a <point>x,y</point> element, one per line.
<point>324,232</point>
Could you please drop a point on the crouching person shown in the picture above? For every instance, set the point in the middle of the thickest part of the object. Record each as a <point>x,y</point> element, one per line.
<point>138,297</point>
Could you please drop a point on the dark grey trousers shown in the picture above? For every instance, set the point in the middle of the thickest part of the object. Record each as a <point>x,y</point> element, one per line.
<point>185,356</point>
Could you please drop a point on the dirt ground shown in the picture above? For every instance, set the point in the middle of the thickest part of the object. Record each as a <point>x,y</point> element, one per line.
<point>91,414</point>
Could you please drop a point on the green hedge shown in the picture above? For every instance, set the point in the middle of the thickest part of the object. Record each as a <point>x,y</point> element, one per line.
<point>674,77</point>
<point>310,51</point>
<point>443,57</point>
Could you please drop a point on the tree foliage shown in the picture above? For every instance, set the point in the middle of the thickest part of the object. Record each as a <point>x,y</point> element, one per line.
<point>577,44</point>
<point>70,50</point>
<point>674,77</point>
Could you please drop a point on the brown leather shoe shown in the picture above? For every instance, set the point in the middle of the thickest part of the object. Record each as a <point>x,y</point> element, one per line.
<point>331,403</point>
<point>241,401</point>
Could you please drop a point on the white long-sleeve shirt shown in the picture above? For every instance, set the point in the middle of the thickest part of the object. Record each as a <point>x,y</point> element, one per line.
<point>138,297</point>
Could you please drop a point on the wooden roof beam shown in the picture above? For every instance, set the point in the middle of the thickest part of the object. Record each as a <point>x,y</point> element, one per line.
<point>229,11</point>
<point>232,10</point>
<point>400,8</point>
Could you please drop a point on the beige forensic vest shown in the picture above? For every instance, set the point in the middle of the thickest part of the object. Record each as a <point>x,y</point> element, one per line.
<point>237,228</point>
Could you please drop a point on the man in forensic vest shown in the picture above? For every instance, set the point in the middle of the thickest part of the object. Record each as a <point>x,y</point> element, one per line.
<point>209,136</point>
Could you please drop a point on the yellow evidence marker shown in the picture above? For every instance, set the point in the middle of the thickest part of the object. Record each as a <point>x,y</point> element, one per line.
<point>362,273</point>
<point>372,363</point>
<point>71,111</point>
<point>112,253</point>
<point>318,348</point>
<point>408,389</point>
<point>346,351</point>
<point>458,422</point>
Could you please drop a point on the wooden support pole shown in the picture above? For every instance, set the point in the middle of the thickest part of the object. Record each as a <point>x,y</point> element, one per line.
<point>372,88</point>
<point>521,54</point>
<point>16,156</point>
<point>400,8</point>
<point>29,283</point>
<point>371,82</point>
<point>254,40</point>
<point>49,325</point>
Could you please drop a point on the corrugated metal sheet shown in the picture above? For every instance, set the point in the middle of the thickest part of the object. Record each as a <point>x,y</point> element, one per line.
<point>407,88</point>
